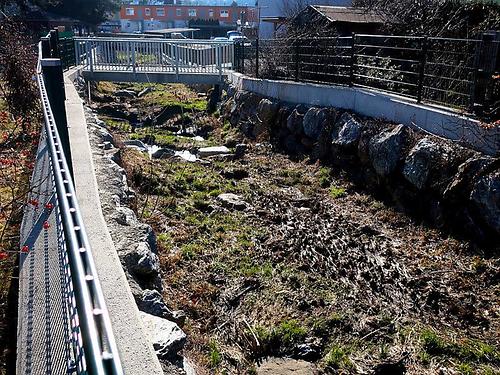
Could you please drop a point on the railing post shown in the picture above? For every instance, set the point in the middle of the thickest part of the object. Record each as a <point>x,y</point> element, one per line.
<point>45,47</point>
<point>297,63</point>
<point>257,58</point>
<point>352,61</point>
<point>176,49</point>
<point>54,43</point>
<point>485,63</point>
<point>421,75</point>
<point>218,60</point>
<point>54,82</point>
<point>133,58</point>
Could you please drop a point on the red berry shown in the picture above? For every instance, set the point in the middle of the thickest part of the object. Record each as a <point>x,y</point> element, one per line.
<point>25,249</point>
<point>49,206</point>
<point>3,256</point>
<point>46,225</point>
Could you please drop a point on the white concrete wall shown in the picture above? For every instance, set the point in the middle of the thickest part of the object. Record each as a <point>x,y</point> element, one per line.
<point>436,120</point>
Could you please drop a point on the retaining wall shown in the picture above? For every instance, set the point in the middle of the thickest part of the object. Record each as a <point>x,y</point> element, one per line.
<point>435,120</point>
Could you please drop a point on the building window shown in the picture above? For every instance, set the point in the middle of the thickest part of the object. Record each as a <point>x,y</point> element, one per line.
<point>211,13</point>
<point>128,24</point>
<point>192,12</point>
<point>147,12</point>
<point>129,11</point>
<point>178,12</point>
<point>160,12</point>
<point>224,13</point>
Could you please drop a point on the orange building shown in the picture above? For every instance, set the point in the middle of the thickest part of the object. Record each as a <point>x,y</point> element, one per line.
<point>139,18</point>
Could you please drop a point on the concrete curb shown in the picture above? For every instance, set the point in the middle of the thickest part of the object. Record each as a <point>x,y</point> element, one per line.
<point>439,121</point>
<point>136,351</point>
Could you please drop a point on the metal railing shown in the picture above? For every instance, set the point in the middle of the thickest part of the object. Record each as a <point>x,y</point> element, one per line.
<point>433,70</point>
<point>154,55</point>
<point>89,344</point>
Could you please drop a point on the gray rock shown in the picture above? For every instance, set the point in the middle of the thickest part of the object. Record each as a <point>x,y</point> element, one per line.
<point>135,143</point>
<point>314,121</point>
<point>151,302</point>
<point>418,163</point>
<point>485,197</point>
<point>125,93</point>
<point>142,261</point>
<point>467,173</point>
<point>349,131</point>
<point>295,123</point>
<point>104,135</point>
<point>240,150</point>
<point>232,201</point>
<point>166,336</point>
<point>125,216</point>
<point>163,153</point>
<point>386,149</point>
<point>267,111</point>
<point>211,151</point>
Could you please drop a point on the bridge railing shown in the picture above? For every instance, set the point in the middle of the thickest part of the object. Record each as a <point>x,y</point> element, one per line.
<point>73,335</point>
<point>154,55</point>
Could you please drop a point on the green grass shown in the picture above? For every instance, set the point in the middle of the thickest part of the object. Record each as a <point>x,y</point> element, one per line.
<point>119,125</point>
<point>215,356</point>
<point>338,357</point>
<point>466,350</point>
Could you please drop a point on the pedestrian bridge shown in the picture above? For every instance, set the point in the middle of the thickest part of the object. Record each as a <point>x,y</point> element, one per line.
<point>188,61</point>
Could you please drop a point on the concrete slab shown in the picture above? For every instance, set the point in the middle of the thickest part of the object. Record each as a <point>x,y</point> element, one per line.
<point>136,352</point>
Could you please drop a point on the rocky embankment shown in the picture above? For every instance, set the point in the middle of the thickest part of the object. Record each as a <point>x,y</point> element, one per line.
<point>452,187</point>
<point>136,246</point>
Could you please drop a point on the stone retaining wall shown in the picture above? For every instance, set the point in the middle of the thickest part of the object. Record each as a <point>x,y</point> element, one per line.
<point>449,185</point>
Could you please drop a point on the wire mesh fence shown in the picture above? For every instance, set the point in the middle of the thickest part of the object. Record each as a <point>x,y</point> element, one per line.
<point>456,73</point>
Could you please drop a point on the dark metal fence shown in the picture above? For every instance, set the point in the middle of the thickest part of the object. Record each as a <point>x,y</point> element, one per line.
<point>456,73</point>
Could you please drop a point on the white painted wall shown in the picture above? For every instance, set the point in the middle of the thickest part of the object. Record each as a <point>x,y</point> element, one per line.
<point>274,8</point>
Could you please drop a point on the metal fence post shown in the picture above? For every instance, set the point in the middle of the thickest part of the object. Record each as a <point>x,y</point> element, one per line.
<point>133,58</point>
<point>176,49</point>
<point>257,58</point>
<point>297,62</point>
<point>352,62</point>
<point>54,82</point>
<point>421,73</point>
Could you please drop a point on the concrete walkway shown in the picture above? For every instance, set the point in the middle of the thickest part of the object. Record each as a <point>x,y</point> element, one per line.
<point>136,352</point>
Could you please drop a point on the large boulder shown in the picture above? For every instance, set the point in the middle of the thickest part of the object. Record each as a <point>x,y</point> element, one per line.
<point>166,336</point>
<point>485,197</point>
<point>349,131</point>
<point>314,121</point>
<point>386,149</point>
<point>142,261</point>
<point>267,111</point>
<point>295,122</point>
<point>468,172</point>
<point>419,162</point>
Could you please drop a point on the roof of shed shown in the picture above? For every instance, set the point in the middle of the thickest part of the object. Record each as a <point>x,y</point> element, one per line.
<point>347,14</point>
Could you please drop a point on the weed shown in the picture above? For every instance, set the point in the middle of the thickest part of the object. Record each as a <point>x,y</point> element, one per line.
<point>191,251</point>
<point>290,332</point>
<point>465,369</point>
<point>215,356</point>
<point>324,177</point>
<point>337,192</point>
<point>338,357</point>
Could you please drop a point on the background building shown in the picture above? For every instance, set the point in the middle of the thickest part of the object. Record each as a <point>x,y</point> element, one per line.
<point>275,9</point>
<point>213,20</point>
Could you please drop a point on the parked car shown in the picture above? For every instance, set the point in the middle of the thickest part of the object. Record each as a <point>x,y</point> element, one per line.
<point>220,39</point>
<point>241,39</point>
